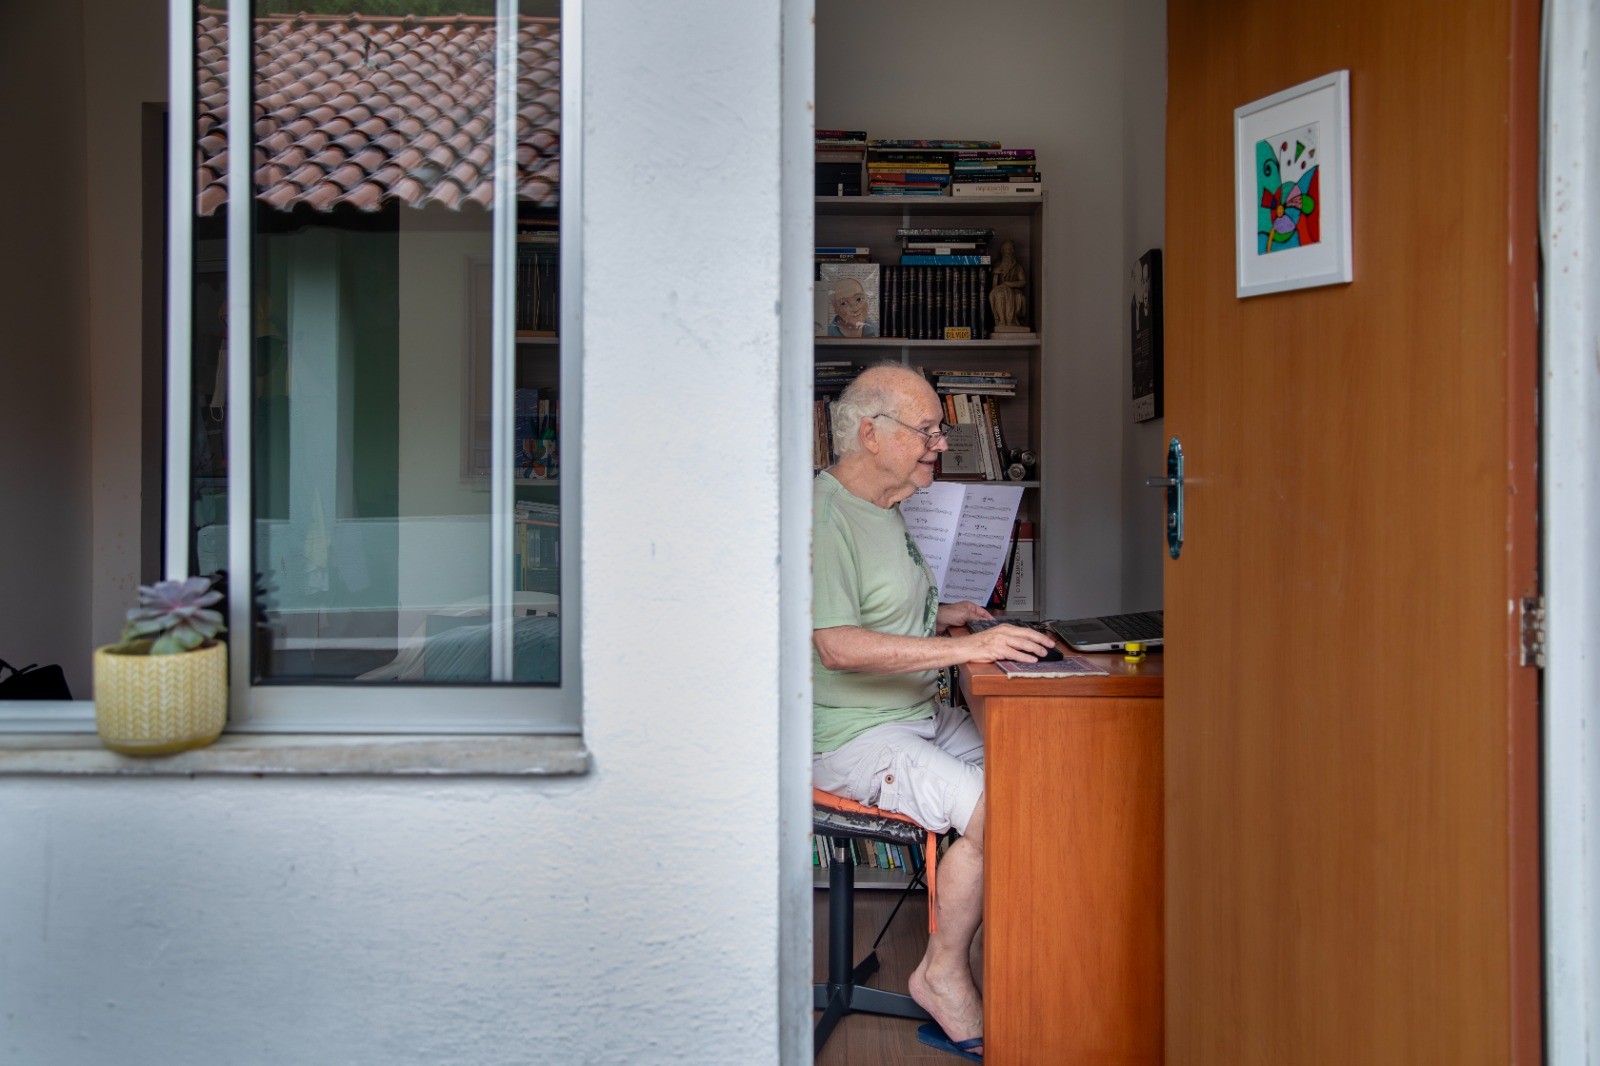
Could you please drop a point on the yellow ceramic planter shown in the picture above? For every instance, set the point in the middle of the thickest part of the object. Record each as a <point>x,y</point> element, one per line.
<point>160,704</point>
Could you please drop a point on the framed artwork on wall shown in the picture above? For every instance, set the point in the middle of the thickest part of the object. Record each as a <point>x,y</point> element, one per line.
<point>1145,329</point>
<point>1292,196</point>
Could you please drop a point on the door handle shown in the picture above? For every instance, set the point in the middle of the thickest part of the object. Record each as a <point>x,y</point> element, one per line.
<point>1173,483</point>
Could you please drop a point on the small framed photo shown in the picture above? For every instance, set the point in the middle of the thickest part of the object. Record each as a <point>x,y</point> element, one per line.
<point>1292,178</point>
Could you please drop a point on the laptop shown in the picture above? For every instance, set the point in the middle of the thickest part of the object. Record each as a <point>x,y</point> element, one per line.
<point>1110,632</point>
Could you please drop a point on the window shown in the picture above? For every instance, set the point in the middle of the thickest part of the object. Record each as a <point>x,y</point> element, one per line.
<point>372,382</point>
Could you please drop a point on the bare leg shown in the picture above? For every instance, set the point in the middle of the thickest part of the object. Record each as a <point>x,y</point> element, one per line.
<point>975,958</point>
<point>942,982</point>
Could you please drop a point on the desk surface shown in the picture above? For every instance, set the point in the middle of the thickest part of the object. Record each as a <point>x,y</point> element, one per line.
<point>1121,678</point>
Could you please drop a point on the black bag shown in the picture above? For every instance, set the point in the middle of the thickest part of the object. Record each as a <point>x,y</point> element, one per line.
<point>33,682</point>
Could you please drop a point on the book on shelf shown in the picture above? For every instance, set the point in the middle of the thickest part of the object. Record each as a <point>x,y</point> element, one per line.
<point>847,300</point>
<point>908,177</point>
<point>990,180</point>
<point>968,409</point>
<point>1019,597</point>
<point>966,155</point>
<point>943,259</point>
<point>963,456</point>
<point>921,302</point>
<point>911,244</point>
<point>963,532</point>
<point>536,307</point>
<point>937,233</point>
<point>985,188</point>
<point>916,143</point>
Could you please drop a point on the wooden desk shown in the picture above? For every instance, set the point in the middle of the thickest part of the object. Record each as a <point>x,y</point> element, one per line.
<point>1072,877</point>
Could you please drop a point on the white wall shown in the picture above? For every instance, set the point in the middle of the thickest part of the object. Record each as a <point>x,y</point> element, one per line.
<point>1049,77</point>
<point>1570,472</point>
<point>600,920</point>
<point>46,555</point>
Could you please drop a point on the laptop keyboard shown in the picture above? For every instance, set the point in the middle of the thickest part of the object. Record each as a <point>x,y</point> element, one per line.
<point>1142,626</point>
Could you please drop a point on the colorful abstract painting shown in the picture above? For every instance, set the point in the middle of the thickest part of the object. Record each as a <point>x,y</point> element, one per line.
<point>1286,172</point>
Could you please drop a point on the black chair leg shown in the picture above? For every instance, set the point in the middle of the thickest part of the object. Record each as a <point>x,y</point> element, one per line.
<point>845,991</point>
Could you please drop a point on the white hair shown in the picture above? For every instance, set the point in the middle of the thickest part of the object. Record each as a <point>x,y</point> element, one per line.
<point>869,394</point>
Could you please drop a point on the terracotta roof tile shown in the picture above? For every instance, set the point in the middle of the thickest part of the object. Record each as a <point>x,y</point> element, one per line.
<point>365,111</point>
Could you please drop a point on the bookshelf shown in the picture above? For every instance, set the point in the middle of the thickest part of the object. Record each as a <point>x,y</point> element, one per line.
<point>870,873</point>
<point>873,222</point>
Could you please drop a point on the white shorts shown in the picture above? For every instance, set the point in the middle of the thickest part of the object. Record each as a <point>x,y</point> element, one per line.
<point>930,770</point>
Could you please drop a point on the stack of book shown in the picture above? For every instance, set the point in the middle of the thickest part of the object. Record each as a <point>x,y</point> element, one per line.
<point>995,172</point>
<point>939,290</point>
<point>839,157</point>
<point>977,446</point>
<point>537,546</point>
<point>538,301</point>
<point>829,379</point>
<point>912,167</point>
<point>840,253</point>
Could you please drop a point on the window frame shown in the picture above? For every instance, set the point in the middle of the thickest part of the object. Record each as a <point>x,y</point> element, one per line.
<point>379,708</point>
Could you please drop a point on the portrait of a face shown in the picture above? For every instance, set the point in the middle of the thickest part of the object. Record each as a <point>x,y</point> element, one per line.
<point>849,301</point>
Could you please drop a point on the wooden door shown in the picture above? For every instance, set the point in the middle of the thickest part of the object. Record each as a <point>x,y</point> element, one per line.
<point>1351,797</point>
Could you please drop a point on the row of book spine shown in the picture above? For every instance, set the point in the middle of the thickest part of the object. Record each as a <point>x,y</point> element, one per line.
<point>538,301</point>
<point>872,854</point>
<point>982,412</point>
<point>921,302</point>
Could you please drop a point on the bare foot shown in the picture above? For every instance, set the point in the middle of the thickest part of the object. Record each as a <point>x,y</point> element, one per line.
<point>952,999</point>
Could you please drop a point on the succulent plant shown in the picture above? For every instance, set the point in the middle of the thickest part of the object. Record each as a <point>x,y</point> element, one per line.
<point>175,615</point>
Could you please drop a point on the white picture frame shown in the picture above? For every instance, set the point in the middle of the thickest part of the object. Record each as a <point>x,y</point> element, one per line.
<point>1292,150</point>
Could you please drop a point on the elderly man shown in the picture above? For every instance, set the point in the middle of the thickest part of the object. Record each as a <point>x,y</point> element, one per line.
<point>882,735</point>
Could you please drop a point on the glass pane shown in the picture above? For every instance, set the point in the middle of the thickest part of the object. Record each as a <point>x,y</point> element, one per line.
<point>373,339</point>
<point>208,326</point>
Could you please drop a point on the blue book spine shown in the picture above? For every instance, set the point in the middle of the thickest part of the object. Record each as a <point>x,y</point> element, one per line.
<point>944,260</point>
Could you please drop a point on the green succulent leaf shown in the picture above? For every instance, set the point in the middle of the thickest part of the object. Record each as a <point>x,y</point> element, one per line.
<point>177,614</point>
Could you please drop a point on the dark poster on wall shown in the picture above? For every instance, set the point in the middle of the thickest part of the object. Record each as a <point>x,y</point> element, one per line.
<point>1145,308</point>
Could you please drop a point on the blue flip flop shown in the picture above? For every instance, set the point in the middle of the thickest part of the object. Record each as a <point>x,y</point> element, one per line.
<point>934,1036</point>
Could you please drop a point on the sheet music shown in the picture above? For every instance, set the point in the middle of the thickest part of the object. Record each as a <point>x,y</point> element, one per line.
<point>932,516</point>
<point>963,531</point>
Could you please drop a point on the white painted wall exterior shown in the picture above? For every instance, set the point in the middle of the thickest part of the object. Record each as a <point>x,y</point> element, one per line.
<point>1570,408</point>
<point>628,916</point>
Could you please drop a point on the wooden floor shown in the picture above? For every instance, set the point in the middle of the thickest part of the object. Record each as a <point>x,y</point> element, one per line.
<point>868,1039</point>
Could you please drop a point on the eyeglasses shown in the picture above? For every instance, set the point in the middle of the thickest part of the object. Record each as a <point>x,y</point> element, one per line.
<point>932,436</point>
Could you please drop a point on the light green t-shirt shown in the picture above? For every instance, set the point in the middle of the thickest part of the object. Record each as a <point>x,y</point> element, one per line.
<point>866,571</point>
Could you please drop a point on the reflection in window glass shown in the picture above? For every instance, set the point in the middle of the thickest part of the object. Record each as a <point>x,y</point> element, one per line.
<point>372,338</point>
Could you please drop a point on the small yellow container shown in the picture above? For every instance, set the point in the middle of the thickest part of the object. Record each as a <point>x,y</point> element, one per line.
<point>159,704</point>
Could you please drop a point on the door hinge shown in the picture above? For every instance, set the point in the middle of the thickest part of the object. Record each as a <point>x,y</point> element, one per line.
<point>1533,634</point>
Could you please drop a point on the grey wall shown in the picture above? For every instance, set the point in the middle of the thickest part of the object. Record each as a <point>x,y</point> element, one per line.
<point>1057,78</point>
<point>1144,156</point>
<point>46,560</point>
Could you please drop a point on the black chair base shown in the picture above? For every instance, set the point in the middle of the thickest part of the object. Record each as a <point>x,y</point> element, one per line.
<point>845,991</point>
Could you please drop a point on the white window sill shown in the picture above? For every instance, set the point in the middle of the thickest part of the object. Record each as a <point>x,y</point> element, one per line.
<point>313,755</point>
